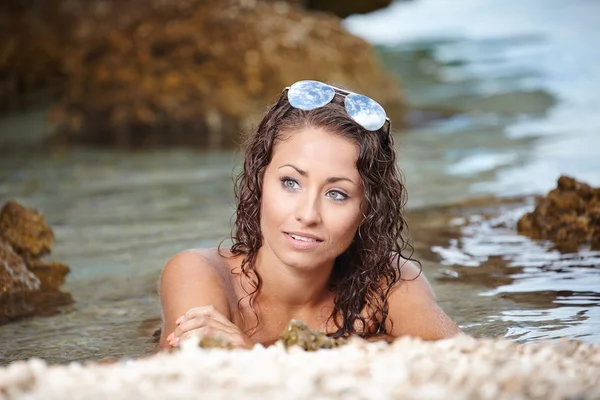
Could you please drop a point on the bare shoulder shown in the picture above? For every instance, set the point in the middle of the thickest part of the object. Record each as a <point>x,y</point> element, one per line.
<point>192,278</point>
<point>413,309</point>
<point>190,264</point>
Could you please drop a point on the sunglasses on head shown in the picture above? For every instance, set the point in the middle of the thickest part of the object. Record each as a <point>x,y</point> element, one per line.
<point>308,95</point>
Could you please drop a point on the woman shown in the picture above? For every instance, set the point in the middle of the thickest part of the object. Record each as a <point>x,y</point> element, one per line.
<point>317,236</point>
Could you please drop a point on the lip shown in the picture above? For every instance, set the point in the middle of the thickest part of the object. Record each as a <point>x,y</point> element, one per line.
<point>302,245</point>
<point>306,235</point>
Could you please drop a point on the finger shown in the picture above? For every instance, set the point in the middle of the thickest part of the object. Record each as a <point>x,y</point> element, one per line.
<point>201,332</point>
<point>202,321</point>
<point>208,310</point>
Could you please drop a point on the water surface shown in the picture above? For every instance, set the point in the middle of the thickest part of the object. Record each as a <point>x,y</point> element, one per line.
<point>518,85</point>
<point>520,82</point>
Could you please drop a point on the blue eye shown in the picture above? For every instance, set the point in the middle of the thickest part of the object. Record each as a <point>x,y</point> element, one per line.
<point>336,195</point>
<point>289,183</point>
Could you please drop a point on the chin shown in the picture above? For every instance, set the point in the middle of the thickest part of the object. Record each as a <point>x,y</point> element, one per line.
<point>301,260</point>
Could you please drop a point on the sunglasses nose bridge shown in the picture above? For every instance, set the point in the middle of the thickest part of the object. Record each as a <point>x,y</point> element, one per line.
<point>309,95</point>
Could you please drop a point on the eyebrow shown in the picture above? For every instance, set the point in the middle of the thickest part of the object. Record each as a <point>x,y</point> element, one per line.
<point>331,179</point>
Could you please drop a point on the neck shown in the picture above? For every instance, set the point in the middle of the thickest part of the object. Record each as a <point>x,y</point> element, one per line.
<point>289,288</point>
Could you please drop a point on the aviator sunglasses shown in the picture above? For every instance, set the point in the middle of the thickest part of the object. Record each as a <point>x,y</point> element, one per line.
<point>308,95</point>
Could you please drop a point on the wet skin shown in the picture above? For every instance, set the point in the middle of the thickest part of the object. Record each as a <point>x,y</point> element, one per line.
<point>312,205</point>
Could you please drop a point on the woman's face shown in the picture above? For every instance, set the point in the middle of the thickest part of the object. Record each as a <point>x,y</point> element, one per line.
<point>312,198</point>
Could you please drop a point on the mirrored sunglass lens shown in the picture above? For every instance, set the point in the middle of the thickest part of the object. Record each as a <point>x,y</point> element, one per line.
<point>366,111</point>
<point>308,95</point>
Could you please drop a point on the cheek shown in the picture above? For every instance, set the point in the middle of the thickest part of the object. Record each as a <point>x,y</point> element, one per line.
<point>344,228</point>
<point>272,209</point>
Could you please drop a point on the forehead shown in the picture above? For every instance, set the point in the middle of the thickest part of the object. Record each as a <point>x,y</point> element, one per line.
<point>317,149</point>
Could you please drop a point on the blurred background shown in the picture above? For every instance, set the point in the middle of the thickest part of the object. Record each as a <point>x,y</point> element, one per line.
<point>121,122</point>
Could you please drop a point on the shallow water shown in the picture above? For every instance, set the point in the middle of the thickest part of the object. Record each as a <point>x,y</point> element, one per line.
<point>520,80</point>
<point>523,100</point>
<point>526,289</point>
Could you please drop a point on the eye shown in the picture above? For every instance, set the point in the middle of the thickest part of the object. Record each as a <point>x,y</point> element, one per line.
<point>289,183</point>
<point>336,195</point>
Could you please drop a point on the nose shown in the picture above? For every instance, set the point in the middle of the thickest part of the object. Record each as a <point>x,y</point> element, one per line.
<point>308,210</point>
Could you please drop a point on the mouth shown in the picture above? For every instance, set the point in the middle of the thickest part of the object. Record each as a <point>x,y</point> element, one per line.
<point>303,237</point>
<point>303,241</point>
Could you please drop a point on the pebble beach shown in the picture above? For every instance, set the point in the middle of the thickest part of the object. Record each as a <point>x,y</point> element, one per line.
<point>408,368</point>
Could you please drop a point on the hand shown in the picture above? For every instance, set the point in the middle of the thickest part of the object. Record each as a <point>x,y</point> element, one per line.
<point>207,321</point>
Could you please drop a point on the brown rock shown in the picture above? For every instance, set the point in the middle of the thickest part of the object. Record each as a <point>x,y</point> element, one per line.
<point>298,333</point>
<point>155,73</point>
<point>344,8</point>
<point>51,275</point>
<point>569,216</point>
<point>37,36</point>
<point>28,285</point>
<point>26,230</point>
<point>16,282</point>
<point>33,35</point>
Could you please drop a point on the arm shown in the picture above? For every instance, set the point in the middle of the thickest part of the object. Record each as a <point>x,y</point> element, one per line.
<point>413,310</point>
<point>189,280</point>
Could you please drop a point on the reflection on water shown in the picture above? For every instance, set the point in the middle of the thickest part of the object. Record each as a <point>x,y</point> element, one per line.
<point>520,102</point>
<point>521,79</point>
<point>557,294</point>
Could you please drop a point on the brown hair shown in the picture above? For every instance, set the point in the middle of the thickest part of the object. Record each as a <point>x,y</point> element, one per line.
<point>364,274</point>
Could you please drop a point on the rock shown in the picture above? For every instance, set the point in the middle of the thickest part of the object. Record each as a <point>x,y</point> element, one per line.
<point>200,72</point>
<point>345,8</point>
<point>33,38</point>
<point>16,282</point>
<point>29,285</point>
<point>151,328</point>
<point>297,333</point>
<point>214,342</point>
<point>569,216</point>
<point>51,275</point>
<point>37,36</point>
<point>26,230</point>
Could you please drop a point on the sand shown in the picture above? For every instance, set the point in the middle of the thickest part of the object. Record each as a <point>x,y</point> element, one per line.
<point>458,368</point>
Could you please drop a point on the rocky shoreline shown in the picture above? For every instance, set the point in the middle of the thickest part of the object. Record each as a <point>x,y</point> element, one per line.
<point>150,74</point>
<point>459,368</point>
<point>28,284</point>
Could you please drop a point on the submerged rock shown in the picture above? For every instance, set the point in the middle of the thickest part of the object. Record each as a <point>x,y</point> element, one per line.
<point>16,282</point>
<point>200,72</point>
<point>28,283</point>
<point>569,216</point>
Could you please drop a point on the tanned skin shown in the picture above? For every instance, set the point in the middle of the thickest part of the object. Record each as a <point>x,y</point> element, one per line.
<point>312,205</point>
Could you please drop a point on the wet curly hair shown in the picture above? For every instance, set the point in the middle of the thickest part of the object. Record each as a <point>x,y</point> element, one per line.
<point>365,273</point>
